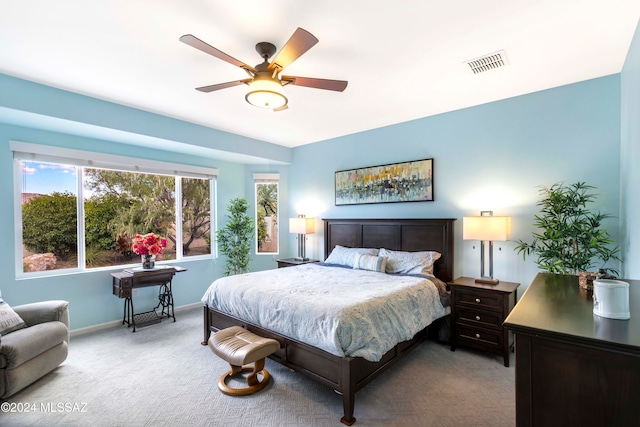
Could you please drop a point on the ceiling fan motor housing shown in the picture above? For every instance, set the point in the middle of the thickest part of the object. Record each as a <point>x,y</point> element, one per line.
<point>265,50</point>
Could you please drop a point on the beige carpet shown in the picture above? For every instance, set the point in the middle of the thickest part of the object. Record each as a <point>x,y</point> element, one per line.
<point>162,376</point>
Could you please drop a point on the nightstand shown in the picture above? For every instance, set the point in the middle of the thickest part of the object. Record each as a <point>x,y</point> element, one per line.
<point>291,262</point>
<point>477,313</point>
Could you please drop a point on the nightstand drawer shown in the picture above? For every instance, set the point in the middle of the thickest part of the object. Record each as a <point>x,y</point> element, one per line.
<point>479,317</point>
<point>478,298</point>
<point>480,337</point>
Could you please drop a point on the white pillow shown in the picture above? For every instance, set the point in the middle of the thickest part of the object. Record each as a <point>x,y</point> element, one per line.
<point>341,255</point>
<point>9,320</point>
<point>370,262</point>
<point>410,262</point>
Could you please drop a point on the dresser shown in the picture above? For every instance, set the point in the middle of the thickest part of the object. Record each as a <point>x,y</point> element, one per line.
<point>573,367</point>
<point>477,313</point>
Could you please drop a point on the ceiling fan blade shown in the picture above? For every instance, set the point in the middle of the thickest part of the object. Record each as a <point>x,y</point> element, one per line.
<point>337,85</point>
<point>300,42</point>
<point>193,41</point>
<point>284,107</point>
<point>219,86</point>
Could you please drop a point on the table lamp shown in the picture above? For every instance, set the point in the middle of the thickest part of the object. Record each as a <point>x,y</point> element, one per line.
<point>301,226</point>
<point>486,228</point>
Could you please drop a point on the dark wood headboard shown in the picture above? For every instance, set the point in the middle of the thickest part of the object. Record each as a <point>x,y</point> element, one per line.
<point>395,234</point>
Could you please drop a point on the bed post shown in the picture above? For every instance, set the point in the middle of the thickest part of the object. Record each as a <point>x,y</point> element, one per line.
<point>206,325</point>
<point>348,389</point>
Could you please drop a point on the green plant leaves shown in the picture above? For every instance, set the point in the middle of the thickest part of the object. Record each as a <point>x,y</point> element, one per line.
<point>571,239</point>
<point>236,237</point>
<point>49,224</point>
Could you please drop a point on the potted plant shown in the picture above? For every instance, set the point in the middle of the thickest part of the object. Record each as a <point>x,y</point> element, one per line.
<point>571,238</point>
<point>236,236</point>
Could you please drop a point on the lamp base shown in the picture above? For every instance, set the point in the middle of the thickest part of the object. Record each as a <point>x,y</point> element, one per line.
<point>487,280</point>
<point>299,258</point>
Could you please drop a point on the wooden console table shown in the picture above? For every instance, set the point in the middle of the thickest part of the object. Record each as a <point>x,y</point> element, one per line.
<point>125,281</point>
<point>574,368</point>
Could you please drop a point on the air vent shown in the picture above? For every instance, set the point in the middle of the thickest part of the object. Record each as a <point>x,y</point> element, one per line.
<point>488,62</point>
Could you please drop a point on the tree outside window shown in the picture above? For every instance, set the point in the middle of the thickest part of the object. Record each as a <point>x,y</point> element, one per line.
<point>196,216</point>
<point>267,217</point>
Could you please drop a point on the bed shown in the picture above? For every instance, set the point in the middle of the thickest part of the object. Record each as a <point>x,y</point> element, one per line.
<point>348,374</point>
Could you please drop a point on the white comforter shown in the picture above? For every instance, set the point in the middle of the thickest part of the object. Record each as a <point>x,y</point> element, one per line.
<point>343,311</point>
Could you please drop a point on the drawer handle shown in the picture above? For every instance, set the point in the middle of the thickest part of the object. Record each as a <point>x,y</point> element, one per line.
<point>477,335</point>
<point>477,317</point>
<point>477,300</point>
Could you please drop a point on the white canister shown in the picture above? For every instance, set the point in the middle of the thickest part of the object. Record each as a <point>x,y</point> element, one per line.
<point>611,298</point>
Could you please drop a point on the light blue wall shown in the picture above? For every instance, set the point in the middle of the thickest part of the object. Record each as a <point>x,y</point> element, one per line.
<point>489,157</point>
<point>89,293</point>
<point>34,105</point>
<point>630,154</point>
<point>57,118</point>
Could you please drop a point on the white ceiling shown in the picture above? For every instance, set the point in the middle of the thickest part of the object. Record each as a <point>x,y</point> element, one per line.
<point>404,60</point>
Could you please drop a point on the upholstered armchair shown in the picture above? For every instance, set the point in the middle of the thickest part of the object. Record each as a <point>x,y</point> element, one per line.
<point>31,352</point>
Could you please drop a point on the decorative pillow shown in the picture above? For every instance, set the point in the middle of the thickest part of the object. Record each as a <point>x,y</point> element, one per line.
<point>341,255</point>
<point>370,262</point>
<point>9,320</point>
<point>410,262</point>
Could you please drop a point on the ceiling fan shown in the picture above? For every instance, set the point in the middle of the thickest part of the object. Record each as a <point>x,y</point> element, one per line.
<point>265,82</point>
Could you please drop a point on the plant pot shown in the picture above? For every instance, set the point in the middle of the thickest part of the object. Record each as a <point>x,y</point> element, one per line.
<point>586,278</point>
<point>148,262</point>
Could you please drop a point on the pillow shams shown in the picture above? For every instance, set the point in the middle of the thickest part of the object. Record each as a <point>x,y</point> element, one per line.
<point>370,262</point>
<point>341,255</point>
<point>410,262</point>
<point>9,320</point>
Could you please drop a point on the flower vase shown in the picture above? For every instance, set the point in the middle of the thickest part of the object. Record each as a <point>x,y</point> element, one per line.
<point>148,262</point>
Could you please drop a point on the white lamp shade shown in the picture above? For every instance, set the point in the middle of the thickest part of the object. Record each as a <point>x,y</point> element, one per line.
<point>266,93</point>
<point>301,225</point>
<point>494,228</point>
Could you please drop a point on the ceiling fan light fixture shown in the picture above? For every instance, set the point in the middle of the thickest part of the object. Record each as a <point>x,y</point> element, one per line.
<point>266,93</point>
<point>265,83</point>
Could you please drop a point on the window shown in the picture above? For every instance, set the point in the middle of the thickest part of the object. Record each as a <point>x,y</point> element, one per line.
<point>266,213</point>
<point>196,216</point>
<point>49,216</point>
<point>77,217</point>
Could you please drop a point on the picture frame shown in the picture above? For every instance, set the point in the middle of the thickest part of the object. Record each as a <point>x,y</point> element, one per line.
<point>391,183</point>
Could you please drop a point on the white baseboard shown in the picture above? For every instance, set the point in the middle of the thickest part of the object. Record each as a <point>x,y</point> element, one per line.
<point>114,323</point>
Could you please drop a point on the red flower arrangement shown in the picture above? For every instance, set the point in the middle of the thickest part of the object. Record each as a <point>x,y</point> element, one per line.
<point>149,244</point>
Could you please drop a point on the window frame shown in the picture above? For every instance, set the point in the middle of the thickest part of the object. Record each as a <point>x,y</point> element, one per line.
<point>265,178</point>
<point>213,193</point>
<point>25,152</point>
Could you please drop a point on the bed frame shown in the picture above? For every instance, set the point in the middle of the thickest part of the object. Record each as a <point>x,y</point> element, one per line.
<point>347,375</point>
